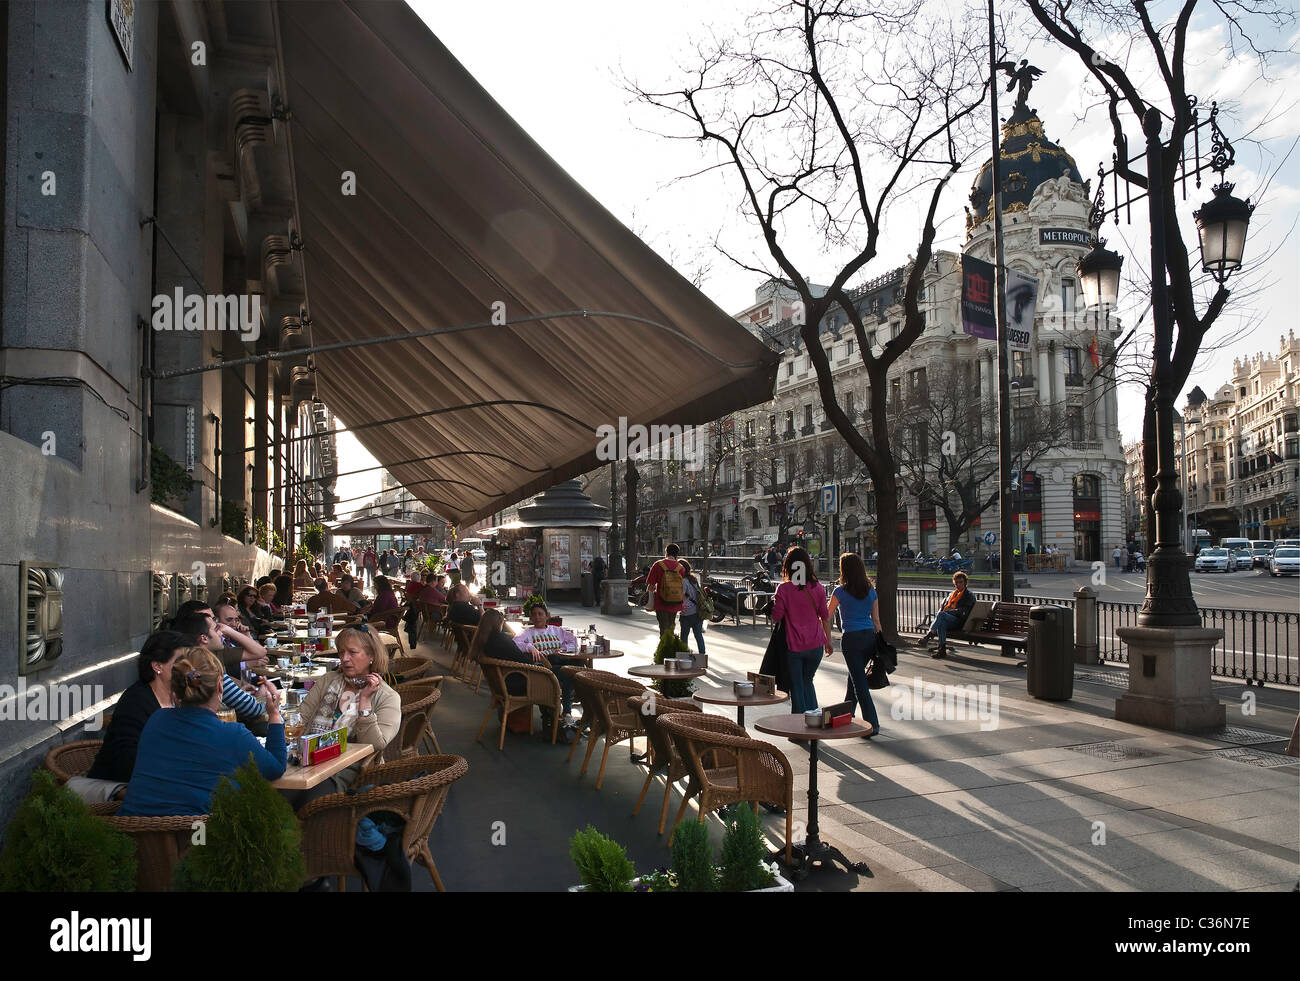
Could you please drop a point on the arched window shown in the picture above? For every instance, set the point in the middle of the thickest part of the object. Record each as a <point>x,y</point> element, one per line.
<point>1087,485</point>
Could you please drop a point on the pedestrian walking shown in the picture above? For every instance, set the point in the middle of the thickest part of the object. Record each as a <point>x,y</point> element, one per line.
<point>800,604</point>
<point>692,621</point>
<point>859,608</point>
<point>1118,556</point>
<point>664,583</point>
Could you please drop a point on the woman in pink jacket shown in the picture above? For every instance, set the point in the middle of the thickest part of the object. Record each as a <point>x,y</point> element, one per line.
<point>801,604</point>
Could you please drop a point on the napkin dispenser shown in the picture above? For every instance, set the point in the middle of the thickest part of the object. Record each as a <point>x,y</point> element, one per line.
<point>837,715</point>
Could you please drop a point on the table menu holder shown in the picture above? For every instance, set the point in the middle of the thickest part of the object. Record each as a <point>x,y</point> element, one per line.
<point>842,711</point>
<point>764,684</point>
<point>322,746</point>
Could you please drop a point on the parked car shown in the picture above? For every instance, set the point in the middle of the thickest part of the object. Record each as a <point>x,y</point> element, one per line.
<point>1215,559</point>
<point>1243,558</point>
<point>1285,561</point>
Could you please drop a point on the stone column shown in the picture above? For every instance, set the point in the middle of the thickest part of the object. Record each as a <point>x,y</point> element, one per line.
<point>1085,626</point>
<point>1044,377</point>
<point>1060,379</point>
<point>1169,678</point>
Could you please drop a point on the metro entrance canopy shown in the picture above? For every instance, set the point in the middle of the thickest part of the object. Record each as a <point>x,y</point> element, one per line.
<point>458,217</point>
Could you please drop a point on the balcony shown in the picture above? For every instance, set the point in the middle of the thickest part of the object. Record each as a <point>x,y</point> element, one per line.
<point>828,425</point>
<point>807,430</point>
<point>1074,381</point>
<point>788,434</point>
<point>1025,383</point>
<point>770,490</point>
<point>747,443</point>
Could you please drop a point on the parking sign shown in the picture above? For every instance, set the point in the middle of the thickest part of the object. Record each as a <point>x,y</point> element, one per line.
<point>1024,524</point>
<point>830,499</point>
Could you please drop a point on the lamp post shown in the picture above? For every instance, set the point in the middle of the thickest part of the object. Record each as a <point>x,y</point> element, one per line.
<point>1222,225</point>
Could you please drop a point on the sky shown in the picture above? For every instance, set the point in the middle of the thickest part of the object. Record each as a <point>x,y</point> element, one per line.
<point>559,69</point>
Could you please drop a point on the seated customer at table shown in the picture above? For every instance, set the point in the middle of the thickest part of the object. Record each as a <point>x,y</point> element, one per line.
<point>385,600</point>
<point>302,578</point>
<point>328,601</point>
<point>182,754</point>
<point>109,774</point>
<point>270,608</point>
<point>251,613</point>
<point>434,591</point>
<point>335,573</point>
<point>414,585</point>
<point>464,607</point>
<point>493,640</point>
<point>348,590</point>
<point>354,696</point>
<point>540,634</point>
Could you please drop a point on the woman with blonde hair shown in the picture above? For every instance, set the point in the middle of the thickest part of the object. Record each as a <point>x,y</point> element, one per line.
<point>354,697</point>
<point>185,752</point>
<point>301,575</point>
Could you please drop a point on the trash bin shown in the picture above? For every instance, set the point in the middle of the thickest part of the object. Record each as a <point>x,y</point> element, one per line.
<point>588,590</point>
<point>1051,653</point>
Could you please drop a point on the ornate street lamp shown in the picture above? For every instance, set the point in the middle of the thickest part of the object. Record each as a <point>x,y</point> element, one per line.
<point>1099,275</point>
<point>1222,224</point>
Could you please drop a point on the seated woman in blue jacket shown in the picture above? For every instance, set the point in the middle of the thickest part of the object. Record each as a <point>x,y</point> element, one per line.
<point>184,753</point>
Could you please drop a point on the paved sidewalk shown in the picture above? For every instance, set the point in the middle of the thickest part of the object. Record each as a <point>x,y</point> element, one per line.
<point>1042,796</point>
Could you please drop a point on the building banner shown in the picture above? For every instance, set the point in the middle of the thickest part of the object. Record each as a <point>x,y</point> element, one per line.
<point>1022,301</point>
<point>978,318</point>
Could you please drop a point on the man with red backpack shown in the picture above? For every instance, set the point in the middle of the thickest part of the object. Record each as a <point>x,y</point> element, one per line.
<point>665,584</point>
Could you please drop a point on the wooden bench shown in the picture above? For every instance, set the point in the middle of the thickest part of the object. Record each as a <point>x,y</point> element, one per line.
<point>1007,623</point>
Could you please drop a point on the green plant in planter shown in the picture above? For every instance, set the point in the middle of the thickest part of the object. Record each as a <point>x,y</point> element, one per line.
<point>670,645</point>
<point>54,844</point>
<point>693,858</point>
<point>253,841</point>
<point>313,536</point>
<point>170,483</point>
<point>744,853</point>
<point>603,864</point>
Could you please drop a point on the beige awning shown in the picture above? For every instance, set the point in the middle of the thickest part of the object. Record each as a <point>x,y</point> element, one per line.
<point>457,209</point>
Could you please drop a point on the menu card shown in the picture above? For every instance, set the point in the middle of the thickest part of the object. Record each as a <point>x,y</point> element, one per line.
<point>322,746</point>
<point>764,684</point>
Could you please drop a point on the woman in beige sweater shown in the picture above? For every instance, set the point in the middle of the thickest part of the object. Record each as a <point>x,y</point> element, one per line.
<point>354,696</point>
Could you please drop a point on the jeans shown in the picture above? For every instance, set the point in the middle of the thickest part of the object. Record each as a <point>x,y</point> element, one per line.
<point>803,665</point>
<point>858,647</point>
<point>667,620</point>
<point>1118,560</point>
<point>944,621</point>
<point>693,623</point>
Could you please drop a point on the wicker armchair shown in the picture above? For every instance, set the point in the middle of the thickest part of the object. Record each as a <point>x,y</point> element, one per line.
<point>72,759</point>
<point>663,753</point>
<point>160,842</point>
<point>726,767</point>
<point>380,623</point>
<point>543,688</point>
<point>410,667</point>
<point>435,617</point>
<point>417,706</point>
<point>410,691</point>
<point>329,824</point>
<point>605,695</point>
<point>466,670</point>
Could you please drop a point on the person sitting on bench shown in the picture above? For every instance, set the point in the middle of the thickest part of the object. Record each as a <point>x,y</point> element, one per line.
<point>952,616</point>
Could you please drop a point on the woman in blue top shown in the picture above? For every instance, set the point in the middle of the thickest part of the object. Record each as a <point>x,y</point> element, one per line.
<point>185,752</point>
<point>859,608</point>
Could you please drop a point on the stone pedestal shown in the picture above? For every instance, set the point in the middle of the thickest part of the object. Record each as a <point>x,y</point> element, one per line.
<point>613,600</point>
<point>1169,678</point>
<point>1086,650</point>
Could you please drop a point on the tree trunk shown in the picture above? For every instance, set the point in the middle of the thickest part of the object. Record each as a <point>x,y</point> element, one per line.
<point>1150,464</point>
<point>633,545</point>
<point>887,550</point>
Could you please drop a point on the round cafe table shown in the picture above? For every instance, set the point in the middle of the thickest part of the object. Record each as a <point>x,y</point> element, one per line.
<point>814,851</point>
<point>724,697</point>
<point>660,671</point>
<point>591,655</point>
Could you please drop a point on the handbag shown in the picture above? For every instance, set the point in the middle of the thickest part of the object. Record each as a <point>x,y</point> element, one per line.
<point>776,657</point>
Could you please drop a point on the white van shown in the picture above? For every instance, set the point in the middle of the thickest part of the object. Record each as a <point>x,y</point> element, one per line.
<point>1234,543</point>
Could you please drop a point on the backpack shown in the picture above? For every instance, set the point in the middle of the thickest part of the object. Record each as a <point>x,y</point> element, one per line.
<point>670,585</point>
<point>704,603</point>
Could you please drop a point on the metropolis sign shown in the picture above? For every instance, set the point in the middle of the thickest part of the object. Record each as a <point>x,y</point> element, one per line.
<point>1064,236</point>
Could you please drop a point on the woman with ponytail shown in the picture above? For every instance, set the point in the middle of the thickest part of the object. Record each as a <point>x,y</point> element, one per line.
<point>185,752</point>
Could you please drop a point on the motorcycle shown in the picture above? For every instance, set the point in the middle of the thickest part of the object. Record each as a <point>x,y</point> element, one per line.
<point>636,589</point>
<point>952,565</point>
<point>728,600</point>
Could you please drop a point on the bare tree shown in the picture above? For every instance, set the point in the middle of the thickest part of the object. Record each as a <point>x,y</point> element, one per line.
<point>947,447</point>
<point>1087,28</point>
<point>830,113</point>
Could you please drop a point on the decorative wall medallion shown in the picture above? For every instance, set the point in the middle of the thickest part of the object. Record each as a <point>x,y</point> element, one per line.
<point>41,610</point>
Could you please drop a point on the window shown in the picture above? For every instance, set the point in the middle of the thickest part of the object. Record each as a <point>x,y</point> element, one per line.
<point>848,404</point>
<point>1067,295</point>
<point>1087,485</point>
<point>871,339</point>
<point>1073,366</point>
<point>1020,364</point>
<point>749,476</point>
<point>807,415</point>
<point>789,368</point>
<point>828,459</point>
<point>789,420</point>
<point>1074,423</point>
<point>895,389</point>
<point>848,349</point>
<point>771,427</point>
<point>809,463</point>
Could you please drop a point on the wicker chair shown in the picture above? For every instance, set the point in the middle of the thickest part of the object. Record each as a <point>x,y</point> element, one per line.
<point>72,759</point>
<point>466,670</point>
<point>410,667</point>
<point>417,706</point>
<point>726,767</point>
<point>607,694</point>
<point>412,691</point>
<point>434,618</point>
<point>329,824</point>
<point>543,688</point>
<point>380,623</point>
<point>664,755</point>
<point>160,842</point>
